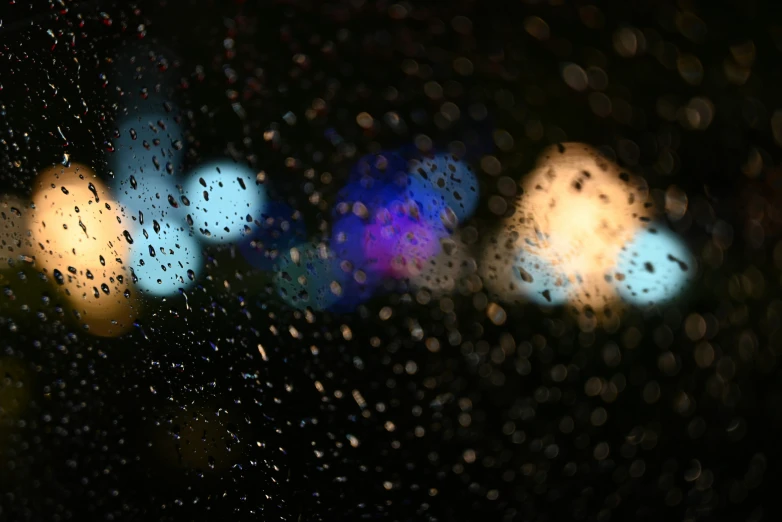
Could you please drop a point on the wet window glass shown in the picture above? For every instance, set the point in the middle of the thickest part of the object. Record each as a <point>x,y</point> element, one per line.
<point>364,260</point>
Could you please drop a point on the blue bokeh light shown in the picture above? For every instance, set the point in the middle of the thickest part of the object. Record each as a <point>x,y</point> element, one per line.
<point>362,275</point>
<point>223,198</point>
<point>451,179</point>
<point>430,205</point>
<point>144,164</point>
<point>375,181</point>
<point>148,144</point>
<point>165,260</point>
<point>654,267</point>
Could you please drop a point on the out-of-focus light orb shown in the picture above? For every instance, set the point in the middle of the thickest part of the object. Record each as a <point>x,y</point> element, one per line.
<point>654,267</point>
<point>147,145</point>
<point>165,259</point>
<point>539,281</point>
<point>375,181</point>
<point>362,275</point>
<point>577,212</point>
<point>14,236</point>
<point>272,233</point>
<point>153,197</point>
<point>352,241</point>
<point>399,246</point>
<point>222,199</point>
<point>513,272</point>
<point>452,268</point>
<point>451,179</point>
<point>429,205</point>
<point>308,277</point>
<point>584,207</point>
<point>415,244</point>
<point>78,239</point>
<point>148,154</point>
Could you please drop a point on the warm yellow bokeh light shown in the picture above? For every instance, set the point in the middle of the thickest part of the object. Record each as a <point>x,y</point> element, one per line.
<point>577,212</point>
<point>78,241</point>
<point>585,206</point>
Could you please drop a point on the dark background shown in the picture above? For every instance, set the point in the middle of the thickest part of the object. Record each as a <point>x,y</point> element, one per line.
<point>182,419</point>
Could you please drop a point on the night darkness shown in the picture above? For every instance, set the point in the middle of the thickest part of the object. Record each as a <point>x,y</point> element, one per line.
<point>268,388</point>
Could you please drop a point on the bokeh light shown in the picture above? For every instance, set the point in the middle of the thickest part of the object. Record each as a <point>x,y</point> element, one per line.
<point>79,242</point>
<point>514,272</point>
<point>146,145</point>
<point>400,246</point>
<point>453,269</point>
<point>165,259</point>
<point>654,267</point>
<point>450,179</point>
<point>577,212</point>
<point>222,200</point>
<point>539,281</point>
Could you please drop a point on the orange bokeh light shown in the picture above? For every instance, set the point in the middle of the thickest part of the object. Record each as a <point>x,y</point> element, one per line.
<point>577,212</point>
<point>77,238</point>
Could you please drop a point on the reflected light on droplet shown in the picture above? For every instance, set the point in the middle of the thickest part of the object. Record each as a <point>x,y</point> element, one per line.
<point>77,240</point>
